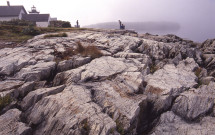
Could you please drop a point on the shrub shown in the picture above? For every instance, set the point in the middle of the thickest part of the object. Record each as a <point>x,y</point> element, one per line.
<point>80,49</point>
<point>4,101</point>
<point>90,50</point>
<point>17,22</point>
<point>60,56</point>
<point>198,72</point>
<point>119,127</point>
<point>93,52</point>
<point>56,35</point>
<point>153,68</point>
<point>60,24</point>
<point>30,30</point>
<point>85,127</point>
<point>66,25</point>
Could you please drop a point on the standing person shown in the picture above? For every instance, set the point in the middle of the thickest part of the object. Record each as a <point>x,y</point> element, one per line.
<point>120,24</point>
<point>77,24</point>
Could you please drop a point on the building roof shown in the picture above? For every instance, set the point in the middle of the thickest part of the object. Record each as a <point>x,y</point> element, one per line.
<point>36,17</point>
<point>9,11</point>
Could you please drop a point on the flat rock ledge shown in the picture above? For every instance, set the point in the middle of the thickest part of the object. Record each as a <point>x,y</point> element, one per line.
<point>108,82</point>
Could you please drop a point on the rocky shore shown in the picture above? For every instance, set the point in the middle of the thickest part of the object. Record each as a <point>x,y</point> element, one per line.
<point>142,84</point>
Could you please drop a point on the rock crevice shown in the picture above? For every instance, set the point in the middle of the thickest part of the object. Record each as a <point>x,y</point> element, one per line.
<point>142,84</point>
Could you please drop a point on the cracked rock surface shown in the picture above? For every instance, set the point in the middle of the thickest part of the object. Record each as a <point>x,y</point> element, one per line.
<point>142,84</point>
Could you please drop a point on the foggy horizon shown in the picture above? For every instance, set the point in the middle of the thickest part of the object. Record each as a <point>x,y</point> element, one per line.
<point>195,17</point>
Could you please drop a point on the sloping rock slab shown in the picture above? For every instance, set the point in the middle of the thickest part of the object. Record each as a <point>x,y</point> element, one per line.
<point>195,103</point>
<point>12,125</point>
<point>38,94</point>
<point>37,72</point>
<point>167,83</point>
<point>171,124</point>
<point>70,112</point>
<point>10,84</point>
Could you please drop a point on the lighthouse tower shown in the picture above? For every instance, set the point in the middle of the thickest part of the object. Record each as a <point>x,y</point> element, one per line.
<point>34,10</point>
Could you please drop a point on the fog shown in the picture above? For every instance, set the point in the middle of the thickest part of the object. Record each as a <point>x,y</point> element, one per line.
<point>195,17</point>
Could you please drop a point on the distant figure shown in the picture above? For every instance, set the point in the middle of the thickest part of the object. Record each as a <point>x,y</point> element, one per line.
<point>121,26</point>
<point>77,24</point>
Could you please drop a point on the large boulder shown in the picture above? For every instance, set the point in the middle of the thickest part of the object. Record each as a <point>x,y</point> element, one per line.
<point>72,63</point>
<point>34,96</point>
<point>167,83</point>
<point>12,60</point>
<point>191,105</point>
<point>40,71</point>
<point>10,84</point>
<point>98,69</point>
<point>70,112</point>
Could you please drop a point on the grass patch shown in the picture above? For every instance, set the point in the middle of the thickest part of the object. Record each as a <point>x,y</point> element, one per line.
<point>198,73</point>
<point>90,50</point>
<point>153,68</point>
<point>56,35</point>
<point>60,56</point>
<point>85,127</point>
<point>17,34</point>
<point>112,130</point>
<point>119,127</point>
<point>154,90</point>
<point>4,101</point>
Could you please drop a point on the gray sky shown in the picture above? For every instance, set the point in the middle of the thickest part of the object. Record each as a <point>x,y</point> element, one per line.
<point>94,11</point>
<point>198,14</point>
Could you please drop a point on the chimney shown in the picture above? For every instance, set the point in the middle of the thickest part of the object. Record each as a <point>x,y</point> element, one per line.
<point>8,3</point>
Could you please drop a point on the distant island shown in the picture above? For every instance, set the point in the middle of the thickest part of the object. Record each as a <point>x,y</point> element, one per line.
<point>141,27</point>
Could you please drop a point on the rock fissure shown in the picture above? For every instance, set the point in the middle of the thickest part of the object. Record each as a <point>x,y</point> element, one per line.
<point>143,84</point>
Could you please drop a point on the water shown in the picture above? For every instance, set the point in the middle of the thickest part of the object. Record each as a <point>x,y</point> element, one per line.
<point>195,34</point>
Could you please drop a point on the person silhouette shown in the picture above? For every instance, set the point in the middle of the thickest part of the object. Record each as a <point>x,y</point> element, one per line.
<point>121,26</point>
<point>77,24</point>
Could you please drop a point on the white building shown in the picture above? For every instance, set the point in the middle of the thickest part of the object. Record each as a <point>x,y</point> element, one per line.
<point>41,20</point>
<point>8,13</point>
